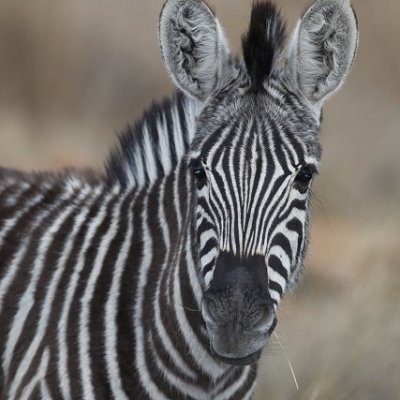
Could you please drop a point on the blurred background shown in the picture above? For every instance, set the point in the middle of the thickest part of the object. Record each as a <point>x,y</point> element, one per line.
<point>72,73</point>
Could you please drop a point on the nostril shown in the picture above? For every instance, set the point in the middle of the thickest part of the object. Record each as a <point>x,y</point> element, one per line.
<point>266,322</point>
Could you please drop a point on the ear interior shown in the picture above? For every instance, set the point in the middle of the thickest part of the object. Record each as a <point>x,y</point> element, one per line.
<point>323,47</point>
<point>193,46</point>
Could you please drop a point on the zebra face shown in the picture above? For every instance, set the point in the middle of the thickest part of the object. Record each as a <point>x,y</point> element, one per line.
<point>252,171</point>
<point>254,155</point>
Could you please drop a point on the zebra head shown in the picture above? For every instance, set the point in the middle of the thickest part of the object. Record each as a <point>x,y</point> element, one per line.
<point>255,153</point>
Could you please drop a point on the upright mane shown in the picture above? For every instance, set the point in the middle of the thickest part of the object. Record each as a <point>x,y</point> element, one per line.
<point>263,43</point>
<point>152,147</point>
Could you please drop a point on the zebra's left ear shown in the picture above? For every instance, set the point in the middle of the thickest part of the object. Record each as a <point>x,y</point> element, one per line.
<point>193,46</point>
<point>322,49</point>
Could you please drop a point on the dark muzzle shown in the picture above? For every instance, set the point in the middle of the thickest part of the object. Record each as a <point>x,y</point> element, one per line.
<point>238,309</point>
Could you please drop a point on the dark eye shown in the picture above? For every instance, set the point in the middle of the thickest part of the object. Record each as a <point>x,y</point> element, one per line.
<point>305,175</point>
<point>197,169</point>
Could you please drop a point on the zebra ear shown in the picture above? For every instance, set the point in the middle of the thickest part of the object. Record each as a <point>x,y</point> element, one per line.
<point>193,46</point>
<point>322,49</point>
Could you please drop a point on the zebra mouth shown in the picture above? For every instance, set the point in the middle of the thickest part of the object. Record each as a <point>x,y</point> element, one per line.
<point>250,359</point>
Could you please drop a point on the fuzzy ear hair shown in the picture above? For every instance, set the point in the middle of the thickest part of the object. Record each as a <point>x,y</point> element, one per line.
<point>193,46</point>
<point>322,49</point>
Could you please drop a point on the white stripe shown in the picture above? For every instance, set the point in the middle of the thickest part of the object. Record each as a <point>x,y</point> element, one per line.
<point>86,300</point>
<point>208,278</point>
<point>200,355</point>
<point>28,298</point>
<point>191,111</point>
<point>177,133</point>
<point>249,394</point>
<point>150,163</point>
<point>229,392</point>
<point>182,386</point>
<point>208,257</point>
<point>41,373</point>
<point>236,193</point>
<point>276,277</point>
<point>295,195</point>
<point>12,199</point>
<point>13,268</point>
<point>244,185</point>
<point>51,294</point>
<point>139,167</point>
<point>168,345</point>
<point>281,254</point>
<point>289,145</point>
<point>283,187</point>
<point>230,209</point>
<point>44,390</point>
<point>140,337</point>
<point>275,296</point>
<point>164,152</point>
<point>252,235</point>
<point>129,173</point>
<point>73,283</point>
<point>177,208</point>
<point>7,182</point>
<point>192,267</point>
<point>193,273</point>
<point>110,321</point>
<point>250,191</point>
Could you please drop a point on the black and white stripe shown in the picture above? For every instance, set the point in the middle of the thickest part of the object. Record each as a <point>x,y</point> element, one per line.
<point>161,279</point>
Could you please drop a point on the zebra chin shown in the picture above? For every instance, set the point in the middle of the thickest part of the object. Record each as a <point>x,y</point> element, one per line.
<point>237,309</point>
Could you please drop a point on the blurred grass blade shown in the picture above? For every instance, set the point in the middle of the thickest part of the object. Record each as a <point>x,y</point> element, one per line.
<point>287,359</point>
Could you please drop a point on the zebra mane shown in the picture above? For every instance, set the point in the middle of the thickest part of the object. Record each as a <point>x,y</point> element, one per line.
<point>263,44</point>
<point>152,147</point>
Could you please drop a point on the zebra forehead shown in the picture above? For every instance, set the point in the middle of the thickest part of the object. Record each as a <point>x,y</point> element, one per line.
<point>253,132</point>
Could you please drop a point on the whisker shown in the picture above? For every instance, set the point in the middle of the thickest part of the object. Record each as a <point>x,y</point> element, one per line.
<point>188,308</point>
<point>287,359</point>
<point>318,202</point>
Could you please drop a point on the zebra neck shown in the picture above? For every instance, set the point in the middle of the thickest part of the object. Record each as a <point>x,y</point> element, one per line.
<point>153,147</point>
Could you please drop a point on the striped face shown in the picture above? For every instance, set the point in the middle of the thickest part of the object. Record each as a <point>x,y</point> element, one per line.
<point>253,164</point>
<point>255,153</point>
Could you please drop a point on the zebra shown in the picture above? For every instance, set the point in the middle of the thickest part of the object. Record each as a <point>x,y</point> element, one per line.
<point>161,278</point>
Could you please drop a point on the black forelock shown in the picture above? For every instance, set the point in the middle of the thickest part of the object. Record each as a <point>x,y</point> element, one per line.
<point>263,44</point>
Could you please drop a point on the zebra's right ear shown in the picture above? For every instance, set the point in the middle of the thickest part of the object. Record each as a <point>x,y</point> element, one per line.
<point>193,46</point>
<point>322,49</point>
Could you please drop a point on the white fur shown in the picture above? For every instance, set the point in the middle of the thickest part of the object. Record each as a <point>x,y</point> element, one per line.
<point>206,61</point>
<point>322,50</point>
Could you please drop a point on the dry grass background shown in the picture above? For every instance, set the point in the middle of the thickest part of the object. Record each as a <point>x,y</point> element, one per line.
<point>73,72</point>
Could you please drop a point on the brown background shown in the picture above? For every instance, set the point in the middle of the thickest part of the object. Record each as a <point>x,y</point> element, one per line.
<point>74,72</point>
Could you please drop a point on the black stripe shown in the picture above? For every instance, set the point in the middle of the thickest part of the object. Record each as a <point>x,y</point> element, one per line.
<point>275,263</point>
<point>282,241</point>
<point>275,286</point>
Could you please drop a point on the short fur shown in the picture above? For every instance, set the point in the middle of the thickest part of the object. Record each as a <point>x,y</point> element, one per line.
<point>263,44</point>
<point>123,166</point>
<point>323,48</point>
<point>159,281</point>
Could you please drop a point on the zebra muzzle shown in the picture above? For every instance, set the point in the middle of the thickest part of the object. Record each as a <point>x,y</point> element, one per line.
<point>238,311</point>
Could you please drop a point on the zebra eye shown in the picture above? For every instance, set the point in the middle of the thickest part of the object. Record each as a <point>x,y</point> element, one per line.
<point>305,175</point>
<point>197,169</point>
